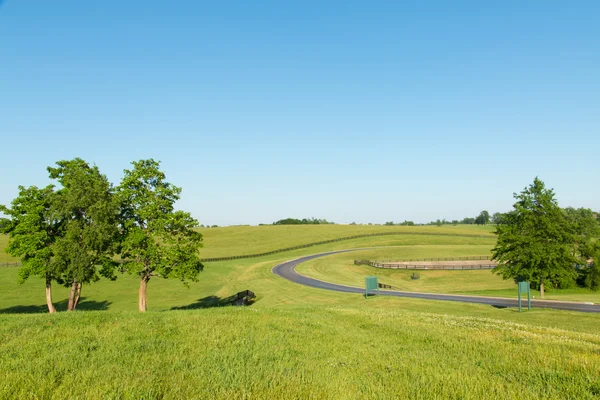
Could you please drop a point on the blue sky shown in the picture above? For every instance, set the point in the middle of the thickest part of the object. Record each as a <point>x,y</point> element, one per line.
<point>350,111</point>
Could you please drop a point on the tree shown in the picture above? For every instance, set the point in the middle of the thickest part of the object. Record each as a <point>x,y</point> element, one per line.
<point>303,221</point>
<point>585,229</point>
<point>33,232</point>
<point>496,218</point>
<point>534,240</point>
<point>156,241</point>
<point>592,272</point>
<point>586,247</point>
<point>483,218</point>
<point>88,212</point>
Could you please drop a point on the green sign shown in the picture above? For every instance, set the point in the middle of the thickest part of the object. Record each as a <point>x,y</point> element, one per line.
<point>371,284</point>
<point>524,288</point>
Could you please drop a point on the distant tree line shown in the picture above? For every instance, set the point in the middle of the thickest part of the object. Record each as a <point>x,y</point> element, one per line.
<point>405,223</point>
<point>483,218</point>
<point>84,228</point>
<point>304,221</point>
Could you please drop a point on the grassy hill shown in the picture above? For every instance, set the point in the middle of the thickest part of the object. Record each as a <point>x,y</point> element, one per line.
<point>243,240</point>
<point>4,257</point>
<point>294,341</point>
<point>219,280</point>
<point>240,240</point>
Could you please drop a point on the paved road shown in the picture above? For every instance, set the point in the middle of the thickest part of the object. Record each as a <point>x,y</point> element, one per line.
<point>287,271</point>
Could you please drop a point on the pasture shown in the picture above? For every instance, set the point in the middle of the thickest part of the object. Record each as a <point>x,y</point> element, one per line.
<point>4,257</point>
<point>241,240</point>
<point>294,341</point>
<point>340,268</point>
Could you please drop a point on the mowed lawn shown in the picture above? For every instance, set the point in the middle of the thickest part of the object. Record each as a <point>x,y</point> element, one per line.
<point>340,268</point>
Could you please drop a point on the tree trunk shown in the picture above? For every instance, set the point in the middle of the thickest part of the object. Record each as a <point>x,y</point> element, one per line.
<point>51,308</point>
<point>77,295</point>
<point>71,304</point>
<point>542,288</point>
<point>142,293</point>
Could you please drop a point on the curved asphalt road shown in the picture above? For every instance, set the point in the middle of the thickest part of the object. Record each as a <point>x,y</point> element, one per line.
<point>287,270</point>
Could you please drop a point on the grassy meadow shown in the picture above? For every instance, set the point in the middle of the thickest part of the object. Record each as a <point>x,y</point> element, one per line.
<point>340,268</point>
<point>294,341</point>
<point>5,257</point>
<point>319,352</point>
<point>241,240</point>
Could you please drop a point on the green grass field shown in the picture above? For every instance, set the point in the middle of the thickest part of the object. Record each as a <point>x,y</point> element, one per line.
<point>240,240</point>
<point>294,341</point>
<point>340,268</point>
<point>320,352</point>
<point>4,257</point>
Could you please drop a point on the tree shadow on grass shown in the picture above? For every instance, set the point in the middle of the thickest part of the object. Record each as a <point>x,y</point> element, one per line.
<point>210,302</point>
<point>84,305</point>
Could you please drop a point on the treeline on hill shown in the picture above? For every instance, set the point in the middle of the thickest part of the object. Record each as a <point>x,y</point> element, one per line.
<point>483,218</point>
<point>73,234</point>
<point>303,221</point>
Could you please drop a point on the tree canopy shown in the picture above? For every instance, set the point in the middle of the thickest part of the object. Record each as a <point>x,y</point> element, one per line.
<point>70,233</point>
<point>483,218</point>
<point>88,213</point>
<point>156,240</point>
<point>33,231</point>
<point>535,241</point>
<point>303,221</point>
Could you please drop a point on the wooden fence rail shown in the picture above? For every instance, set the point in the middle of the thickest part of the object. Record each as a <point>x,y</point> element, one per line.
<point>472,258</point>
<point>12,264</point>
<point>425,267</point>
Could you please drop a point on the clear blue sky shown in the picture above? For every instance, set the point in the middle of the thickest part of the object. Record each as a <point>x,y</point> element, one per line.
<point>350,111</point>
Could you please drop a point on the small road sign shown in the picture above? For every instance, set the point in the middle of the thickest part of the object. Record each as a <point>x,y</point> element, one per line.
<point>524,288</point>
<point>371,285</point>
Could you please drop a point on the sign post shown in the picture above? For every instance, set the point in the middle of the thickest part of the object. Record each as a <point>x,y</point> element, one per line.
<point>371,284</point>
<point>525,288</point>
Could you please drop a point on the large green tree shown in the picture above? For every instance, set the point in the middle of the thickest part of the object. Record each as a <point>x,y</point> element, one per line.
<point>88,210</point>
<point>157,241</point>
<point>535,241</point>
<point>33,232</point>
